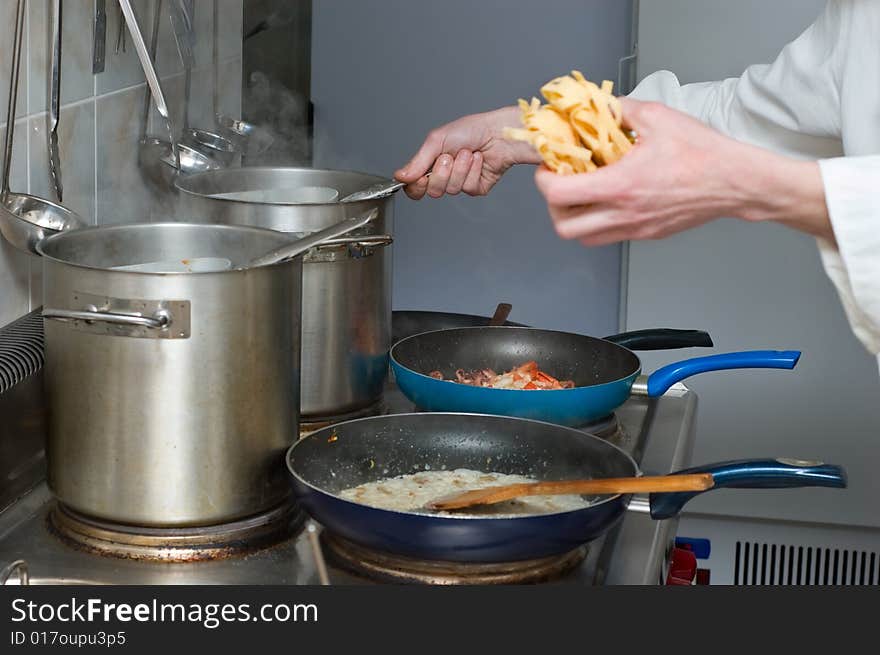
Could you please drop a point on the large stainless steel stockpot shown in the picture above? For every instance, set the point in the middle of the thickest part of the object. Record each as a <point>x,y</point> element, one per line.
<point>172,396</point>
<point>346,322</point>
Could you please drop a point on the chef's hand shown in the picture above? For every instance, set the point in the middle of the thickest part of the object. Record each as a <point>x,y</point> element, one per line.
<point>682,174</point>
<point>469,154</point>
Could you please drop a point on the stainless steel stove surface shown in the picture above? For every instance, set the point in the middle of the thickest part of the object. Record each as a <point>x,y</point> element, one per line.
<point>659,433</point>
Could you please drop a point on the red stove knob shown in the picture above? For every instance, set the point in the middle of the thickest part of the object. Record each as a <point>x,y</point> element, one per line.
<point>682,567</point>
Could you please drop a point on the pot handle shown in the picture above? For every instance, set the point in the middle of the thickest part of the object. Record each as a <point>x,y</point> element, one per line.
<point>298,247</point>
<point>371,241</point>
<point>663,378</point>
<point>752,474</point>
<point>161,319</point>
<point>662,339</point>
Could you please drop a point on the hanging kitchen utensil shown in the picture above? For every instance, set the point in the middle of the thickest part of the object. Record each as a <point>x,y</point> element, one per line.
<point>55,101</point>
<point>181,28</point>
<point>211,144</point>
<point>366,450</point>
<point>594,487</point>
<point>603,372</point>
<point>120,31</point>
<point>160,160</point>
<point>237,129</point>
<point>99,44</point>
<point>152,78</point>
<point>25,220</point>
<point>379,190</point>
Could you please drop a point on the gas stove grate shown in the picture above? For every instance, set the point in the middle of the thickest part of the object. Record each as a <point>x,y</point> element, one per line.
<point>21,349</point>
<point>757,563</point>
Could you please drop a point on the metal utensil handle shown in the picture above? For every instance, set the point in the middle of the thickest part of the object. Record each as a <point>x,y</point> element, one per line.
<point>291,250</point>
<point>158,321</point>
<point>377,190</point>
<point>55,101</point>
<point>215,60</point>
<point>317,554</point>
<point>154,42</point>
<point>13,92</point>
<point>99,44</point>
<point>140,47</point>
<point>182,35</point>
<point>376,241</point>
<point>19,565</point>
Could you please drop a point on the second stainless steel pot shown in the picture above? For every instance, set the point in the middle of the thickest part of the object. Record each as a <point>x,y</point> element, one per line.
<point>172,395</point>
<point>346,322</point>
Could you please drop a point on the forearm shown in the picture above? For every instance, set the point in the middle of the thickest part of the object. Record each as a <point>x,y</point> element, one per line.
<point>771,187</point>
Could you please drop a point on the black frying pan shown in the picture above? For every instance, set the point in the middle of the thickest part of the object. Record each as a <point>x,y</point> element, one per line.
<point>407,322</point>
<point>369,449</point>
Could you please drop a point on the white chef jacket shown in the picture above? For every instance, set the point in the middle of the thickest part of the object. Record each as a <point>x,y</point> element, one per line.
<point>820,99</point>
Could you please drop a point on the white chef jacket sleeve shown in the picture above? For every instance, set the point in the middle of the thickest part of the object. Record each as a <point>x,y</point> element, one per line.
<point>789,106</point>
<point>792,106</point>
<point>852,193</point>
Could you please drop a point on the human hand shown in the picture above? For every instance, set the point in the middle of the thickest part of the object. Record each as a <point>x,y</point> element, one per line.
<point>682,174</point>
<point>469,154</point>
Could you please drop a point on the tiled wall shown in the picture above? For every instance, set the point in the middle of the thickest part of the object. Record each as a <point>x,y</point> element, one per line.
<point>100,119</point>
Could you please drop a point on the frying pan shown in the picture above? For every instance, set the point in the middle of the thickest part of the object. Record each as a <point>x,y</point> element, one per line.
<point>603,371</point>
<point>407,322</point>
<point>370,449</point>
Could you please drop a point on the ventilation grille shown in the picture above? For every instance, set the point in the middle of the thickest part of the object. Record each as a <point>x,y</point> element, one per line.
<point>776,564</point>
<point>21,349</point>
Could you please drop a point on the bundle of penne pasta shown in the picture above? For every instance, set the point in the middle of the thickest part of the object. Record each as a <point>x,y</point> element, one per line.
<point>580,127</point>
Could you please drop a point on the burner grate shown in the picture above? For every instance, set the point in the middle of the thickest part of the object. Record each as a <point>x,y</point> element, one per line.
<point>176,544</point>
<point>387,567</point>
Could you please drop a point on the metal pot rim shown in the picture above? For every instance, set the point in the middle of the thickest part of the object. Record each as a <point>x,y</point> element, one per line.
<point>73,234</point>
<point>181,180</point>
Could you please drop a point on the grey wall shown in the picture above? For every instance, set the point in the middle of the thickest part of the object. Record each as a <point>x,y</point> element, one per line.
<point>385,72</point>
<point>758,286</point>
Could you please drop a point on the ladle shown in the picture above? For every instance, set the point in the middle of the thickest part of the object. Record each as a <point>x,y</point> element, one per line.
<point>157,154</point>
<point>25,220</point>
<point>240,130</point>
<point>211,144</point>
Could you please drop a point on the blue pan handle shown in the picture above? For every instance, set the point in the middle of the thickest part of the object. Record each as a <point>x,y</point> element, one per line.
<point>752,474</point>
<point>660,380</point>
<point>662,339</point>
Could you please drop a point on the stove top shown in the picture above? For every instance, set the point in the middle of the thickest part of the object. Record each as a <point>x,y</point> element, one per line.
<point>658,433</point>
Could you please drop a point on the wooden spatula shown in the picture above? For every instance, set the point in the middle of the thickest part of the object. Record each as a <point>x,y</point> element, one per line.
<point>602,486</point>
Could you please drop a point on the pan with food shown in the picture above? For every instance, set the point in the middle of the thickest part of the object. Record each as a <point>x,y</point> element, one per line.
<point>601,373</point>
<point>370,481</point>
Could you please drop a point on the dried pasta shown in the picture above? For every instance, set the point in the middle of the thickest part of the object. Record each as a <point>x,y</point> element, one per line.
<point>580,127</point>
